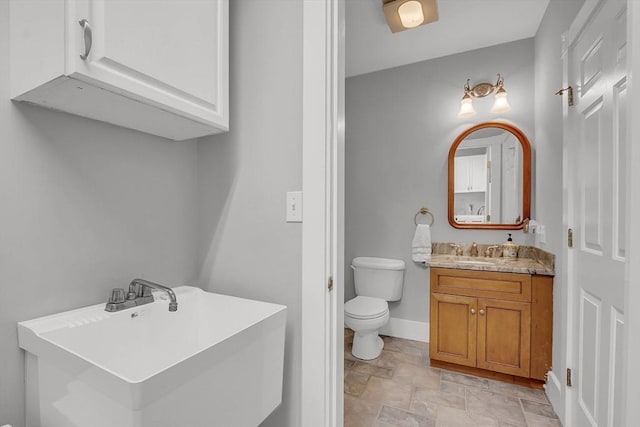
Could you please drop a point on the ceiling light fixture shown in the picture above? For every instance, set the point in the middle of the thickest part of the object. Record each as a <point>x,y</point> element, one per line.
<point>500,104</point>
<point>405,14</point>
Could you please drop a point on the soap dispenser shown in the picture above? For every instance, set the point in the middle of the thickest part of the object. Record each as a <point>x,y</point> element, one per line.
<point>510,249</point>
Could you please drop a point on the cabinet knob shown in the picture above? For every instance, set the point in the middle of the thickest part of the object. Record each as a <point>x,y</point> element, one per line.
<point>88,39</point>
<point>481,312</point>
<point>473,311</point>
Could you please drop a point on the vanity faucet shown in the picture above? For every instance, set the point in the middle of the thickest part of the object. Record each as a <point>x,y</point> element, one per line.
<point>458,248</point>
<point>488,253</point>
<point>145,285</point>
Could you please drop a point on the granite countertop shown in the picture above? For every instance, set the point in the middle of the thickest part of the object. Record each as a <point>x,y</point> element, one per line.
<point>531,260</point>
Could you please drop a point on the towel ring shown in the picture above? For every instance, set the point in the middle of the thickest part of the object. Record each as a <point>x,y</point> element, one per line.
<point>423,211</point>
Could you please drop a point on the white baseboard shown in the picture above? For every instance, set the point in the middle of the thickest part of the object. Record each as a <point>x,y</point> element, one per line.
<point>553,389</point>
<point>407,329</point>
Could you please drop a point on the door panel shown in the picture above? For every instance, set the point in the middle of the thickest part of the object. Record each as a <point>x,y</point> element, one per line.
<point>504,336</point>
<point>589,355</point>
<point>616,413</point>
<point>154,49</point>
<point>453,332</point>
<point>596,146</point>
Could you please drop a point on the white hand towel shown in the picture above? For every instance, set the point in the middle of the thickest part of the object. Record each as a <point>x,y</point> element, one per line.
<point>421,244</point>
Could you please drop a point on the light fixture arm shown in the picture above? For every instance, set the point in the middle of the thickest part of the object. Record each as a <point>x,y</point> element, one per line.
<point>467,88</point>
<point>480,91</point>
<point>483,89</point>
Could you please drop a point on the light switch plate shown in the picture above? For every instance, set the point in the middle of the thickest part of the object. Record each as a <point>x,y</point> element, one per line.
<point>294,206</point>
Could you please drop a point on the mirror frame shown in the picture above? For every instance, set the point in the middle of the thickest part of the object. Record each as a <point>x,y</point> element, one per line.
<point>526,176</point>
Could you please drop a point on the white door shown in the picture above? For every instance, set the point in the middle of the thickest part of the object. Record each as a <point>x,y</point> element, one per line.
<point>168,52</point>
<point>596,146</point>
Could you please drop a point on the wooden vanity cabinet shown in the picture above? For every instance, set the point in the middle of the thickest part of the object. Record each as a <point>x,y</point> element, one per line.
<point>490,322</point>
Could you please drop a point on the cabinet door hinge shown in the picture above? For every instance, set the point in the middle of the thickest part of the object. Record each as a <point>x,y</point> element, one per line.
<point>570,238</point>
<point>569,383</point>
<point>330,283</point>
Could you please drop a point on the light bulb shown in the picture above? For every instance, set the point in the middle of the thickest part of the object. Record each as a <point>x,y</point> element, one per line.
<point>500,105</point>
<point>466,107</point>
<point>411,14</point>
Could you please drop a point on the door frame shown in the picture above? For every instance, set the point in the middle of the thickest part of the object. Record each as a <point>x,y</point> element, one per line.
<point>632,282</point>
<point>322,360</point>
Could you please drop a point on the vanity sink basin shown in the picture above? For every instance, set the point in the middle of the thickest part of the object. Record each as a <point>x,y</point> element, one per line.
<point>218,360</point>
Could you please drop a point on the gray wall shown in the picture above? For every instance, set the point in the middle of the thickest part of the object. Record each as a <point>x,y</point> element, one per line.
<point>548,188</point>
<point>400,124</point>
<point>84,207</point>
<point>248,248</point>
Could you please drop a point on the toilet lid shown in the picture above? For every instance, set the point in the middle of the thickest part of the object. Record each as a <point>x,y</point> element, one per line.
<point>365,307</point>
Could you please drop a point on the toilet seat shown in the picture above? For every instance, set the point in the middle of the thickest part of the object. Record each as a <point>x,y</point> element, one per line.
<point>364,308</point>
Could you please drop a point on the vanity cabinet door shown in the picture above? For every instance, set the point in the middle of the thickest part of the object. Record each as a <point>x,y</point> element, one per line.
<point>453,329</point>
<point>504,336</point>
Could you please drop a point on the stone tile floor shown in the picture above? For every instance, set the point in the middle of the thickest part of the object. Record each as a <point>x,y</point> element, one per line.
<point>399,388</point>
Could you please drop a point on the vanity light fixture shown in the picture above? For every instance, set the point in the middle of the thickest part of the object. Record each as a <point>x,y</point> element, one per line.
<point>500,104</point>
<point>405,14</point>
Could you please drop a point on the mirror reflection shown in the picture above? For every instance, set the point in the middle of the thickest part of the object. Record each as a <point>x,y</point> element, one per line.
<point>488,188</point>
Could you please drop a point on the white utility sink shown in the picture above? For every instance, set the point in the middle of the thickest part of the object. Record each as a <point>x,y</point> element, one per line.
<point>217,361</point>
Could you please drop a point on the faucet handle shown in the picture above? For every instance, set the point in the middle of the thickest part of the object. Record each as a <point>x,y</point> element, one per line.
<point>145,291</point>
<point>488,253</point>
<point>117,296</point>
<point>133,291</point>
<point>457,247</point>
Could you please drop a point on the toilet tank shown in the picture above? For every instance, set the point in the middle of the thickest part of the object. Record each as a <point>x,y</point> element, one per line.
<point>378,277</point>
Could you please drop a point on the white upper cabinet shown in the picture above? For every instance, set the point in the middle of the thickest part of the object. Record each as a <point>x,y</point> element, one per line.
<point>470,174</point>
<point>158,66</point>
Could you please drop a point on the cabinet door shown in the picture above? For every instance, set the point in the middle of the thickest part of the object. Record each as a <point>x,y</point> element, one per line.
<point>477,173</point>
<point>453,329</point>
<point>169,53</point>
<point>504,336</point>
<point>461,171</point>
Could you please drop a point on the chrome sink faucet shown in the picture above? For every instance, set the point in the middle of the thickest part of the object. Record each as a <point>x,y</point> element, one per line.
<point>457,248</point>
<point>488,253</point>
<point>145,285</point>
<point>139,294</point>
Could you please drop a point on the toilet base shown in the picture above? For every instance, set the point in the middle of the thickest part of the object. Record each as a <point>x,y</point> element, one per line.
<point>367,345</point>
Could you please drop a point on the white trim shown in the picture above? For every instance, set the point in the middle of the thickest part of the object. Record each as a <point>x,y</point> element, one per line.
<point>567,276</point>
<point>407,329</point>
<point>553,389</point>
<point>631,369</point>
<point>321,391</point>
<point>314,245</point>
<point>338,208</point>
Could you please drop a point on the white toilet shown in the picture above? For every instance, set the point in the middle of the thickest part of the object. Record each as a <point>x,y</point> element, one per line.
<point>377,280</point>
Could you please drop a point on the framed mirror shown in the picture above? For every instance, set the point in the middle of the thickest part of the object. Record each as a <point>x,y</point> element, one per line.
<point>490,177</point>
